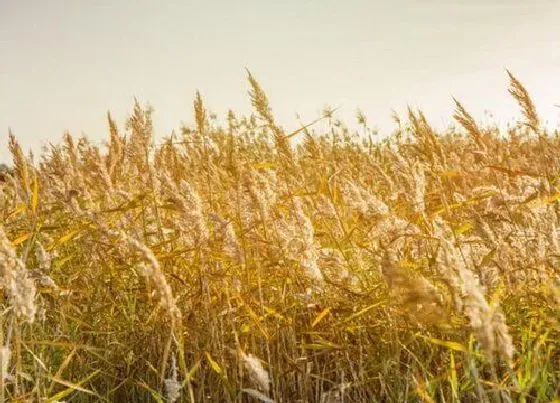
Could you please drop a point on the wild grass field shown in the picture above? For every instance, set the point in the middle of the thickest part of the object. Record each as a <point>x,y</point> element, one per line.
<point>245,263</point>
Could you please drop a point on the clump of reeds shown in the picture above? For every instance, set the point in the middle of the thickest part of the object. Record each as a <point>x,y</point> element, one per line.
<point>422,266</point>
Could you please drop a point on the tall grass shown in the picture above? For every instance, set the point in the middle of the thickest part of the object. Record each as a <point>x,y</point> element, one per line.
<point>239,264</point>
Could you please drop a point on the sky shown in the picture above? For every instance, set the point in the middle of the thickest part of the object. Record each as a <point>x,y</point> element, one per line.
<point>66,63</point>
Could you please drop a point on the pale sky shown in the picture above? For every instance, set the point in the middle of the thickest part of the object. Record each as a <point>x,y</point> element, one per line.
<point>65,63</point>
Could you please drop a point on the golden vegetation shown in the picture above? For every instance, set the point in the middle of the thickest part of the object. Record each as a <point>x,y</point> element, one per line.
<point>239,264</point>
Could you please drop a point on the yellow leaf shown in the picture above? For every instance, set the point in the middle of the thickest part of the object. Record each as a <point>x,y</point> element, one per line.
<point>215,366</point>
<point>422,392</point>
<point>553,198</point>
<point>453,381</point>
<point>155,395</point>
<point>264,164</point>
<point>17,210</point>
<point>320,317</point>
<point>325,345</point>
<point>35,195</point>
<point>63,239</point>
<point>190,374</point>
<point>497,295</point>
<point>453,345</point>
<point>462,229</point>
<point>469,202</point>
<point>362,312</point>
<point>257,319</point>
<point>63,366</point>
<point>71,387</point>
<point>449,174</point>
<point>20,239</point>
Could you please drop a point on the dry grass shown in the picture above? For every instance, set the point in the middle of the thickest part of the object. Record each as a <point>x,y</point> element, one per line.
<point>238,264</point>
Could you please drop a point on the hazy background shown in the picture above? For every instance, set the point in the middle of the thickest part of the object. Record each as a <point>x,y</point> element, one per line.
<point>65,63</point>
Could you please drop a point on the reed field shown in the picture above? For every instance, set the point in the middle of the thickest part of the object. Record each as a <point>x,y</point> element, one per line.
<point>239,262</point>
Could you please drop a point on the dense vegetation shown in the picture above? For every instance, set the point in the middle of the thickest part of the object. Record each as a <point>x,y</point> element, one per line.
<point>244,263</point>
